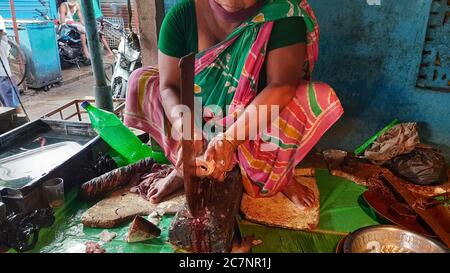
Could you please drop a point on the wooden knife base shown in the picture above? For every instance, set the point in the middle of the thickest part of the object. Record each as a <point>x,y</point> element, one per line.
<point>212,230</point>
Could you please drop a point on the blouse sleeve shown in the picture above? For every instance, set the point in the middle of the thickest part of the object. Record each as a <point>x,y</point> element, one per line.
<point>286,32</point>
<point>173,34</point>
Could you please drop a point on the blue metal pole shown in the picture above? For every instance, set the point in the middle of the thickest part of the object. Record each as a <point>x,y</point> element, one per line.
<point>102,91</point>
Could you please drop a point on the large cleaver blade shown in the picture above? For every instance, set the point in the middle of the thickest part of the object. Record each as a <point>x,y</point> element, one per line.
<point>191,184</point>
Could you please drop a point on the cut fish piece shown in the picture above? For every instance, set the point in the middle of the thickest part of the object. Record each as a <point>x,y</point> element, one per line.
<point>142,230</point>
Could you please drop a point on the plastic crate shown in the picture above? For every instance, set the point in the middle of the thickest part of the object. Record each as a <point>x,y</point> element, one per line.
<point>113,40</point>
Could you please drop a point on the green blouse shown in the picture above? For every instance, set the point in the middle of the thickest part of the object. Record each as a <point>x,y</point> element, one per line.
<point>178,36</point>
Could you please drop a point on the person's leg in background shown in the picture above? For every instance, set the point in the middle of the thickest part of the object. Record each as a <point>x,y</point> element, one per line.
<point>85,47</point>
<point>101,33</point>
<point>106,45</point>
<point>83,38</point>
<point>8,93</point>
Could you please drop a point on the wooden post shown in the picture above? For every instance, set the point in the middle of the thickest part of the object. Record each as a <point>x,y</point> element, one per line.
<point>136,17</point>
<point>149,18</point>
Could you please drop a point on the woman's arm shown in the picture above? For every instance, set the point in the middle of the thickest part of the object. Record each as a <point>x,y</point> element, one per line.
<point>284,73</point>
<point>169,76</point>
<point>169,84</point>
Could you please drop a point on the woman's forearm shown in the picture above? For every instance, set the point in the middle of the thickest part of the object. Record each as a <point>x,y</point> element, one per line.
<point>273,95</point>
<point>170,101</point>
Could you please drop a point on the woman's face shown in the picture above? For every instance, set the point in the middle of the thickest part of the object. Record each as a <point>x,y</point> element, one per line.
<point>235,5</point>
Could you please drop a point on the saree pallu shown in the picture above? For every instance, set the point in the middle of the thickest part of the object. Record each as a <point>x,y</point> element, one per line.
<point>226,78</point>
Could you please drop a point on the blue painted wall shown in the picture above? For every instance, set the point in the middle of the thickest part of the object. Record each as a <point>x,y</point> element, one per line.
<point>371,56</point>
<point>25,9</point>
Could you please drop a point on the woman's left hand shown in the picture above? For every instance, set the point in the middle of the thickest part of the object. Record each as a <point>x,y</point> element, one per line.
<point>221,151</point>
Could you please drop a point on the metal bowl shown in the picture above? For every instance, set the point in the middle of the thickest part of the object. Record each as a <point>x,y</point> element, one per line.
<point>390,239</point>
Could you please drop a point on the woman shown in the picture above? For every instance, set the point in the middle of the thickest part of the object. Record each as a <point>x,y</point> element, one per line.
<point>68,11</point>
<point>252,53</point>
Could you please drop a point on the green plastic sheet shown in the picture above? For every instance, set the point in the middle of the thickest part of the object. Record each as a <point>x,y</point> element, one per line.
<point>342,208</point>
<point>68,235</point>
<point>342,211</point>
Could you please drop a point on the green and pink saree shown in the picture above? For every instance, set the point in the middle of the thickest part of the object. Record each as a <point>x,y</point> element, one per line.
<point>226,79</point>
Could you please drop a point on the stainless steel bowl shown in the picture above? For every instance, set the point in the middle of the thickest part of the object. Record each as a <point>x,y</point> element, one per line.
<point>390,239</point>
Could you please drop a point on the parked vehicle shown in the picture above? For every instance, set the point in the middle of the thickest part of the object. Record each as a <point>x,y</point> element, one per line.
<point>68,38</point>
<point>69,46</point>
<point>127,59</point>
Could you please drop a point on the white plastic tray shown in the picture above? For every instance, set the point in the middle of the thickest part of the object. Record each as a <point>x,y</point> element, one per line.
<point>35,163</point>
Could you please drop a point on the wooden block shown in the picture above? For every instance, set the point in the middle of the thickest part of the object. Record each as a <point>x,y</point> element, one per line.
<point>213,230</point>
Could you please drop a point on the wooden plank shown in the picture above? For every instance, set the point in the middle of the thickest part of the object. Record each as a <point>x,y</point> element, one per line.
<point>436,217</point>
<point>148,18</point>
<point>122,206</point>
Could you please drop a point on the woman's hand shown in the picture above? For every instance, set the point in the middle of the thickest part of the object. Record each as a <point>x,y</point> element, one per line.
<point>220,151</point>
<point>198,149</point>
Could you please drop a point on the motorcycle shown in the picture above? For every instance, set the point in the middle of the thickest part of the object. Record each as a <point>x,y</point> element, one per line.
<point>128,58</point>
<point>69,46</point>
<point>68,38</point>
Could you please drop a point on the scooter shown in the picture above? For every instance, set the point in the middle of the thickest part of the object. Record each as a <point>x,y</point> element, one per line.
<point>128,58</point>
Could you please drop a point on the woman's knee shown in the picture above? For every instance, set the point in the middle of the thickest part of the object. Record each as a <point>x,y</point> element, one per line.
<point>138,73</point>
